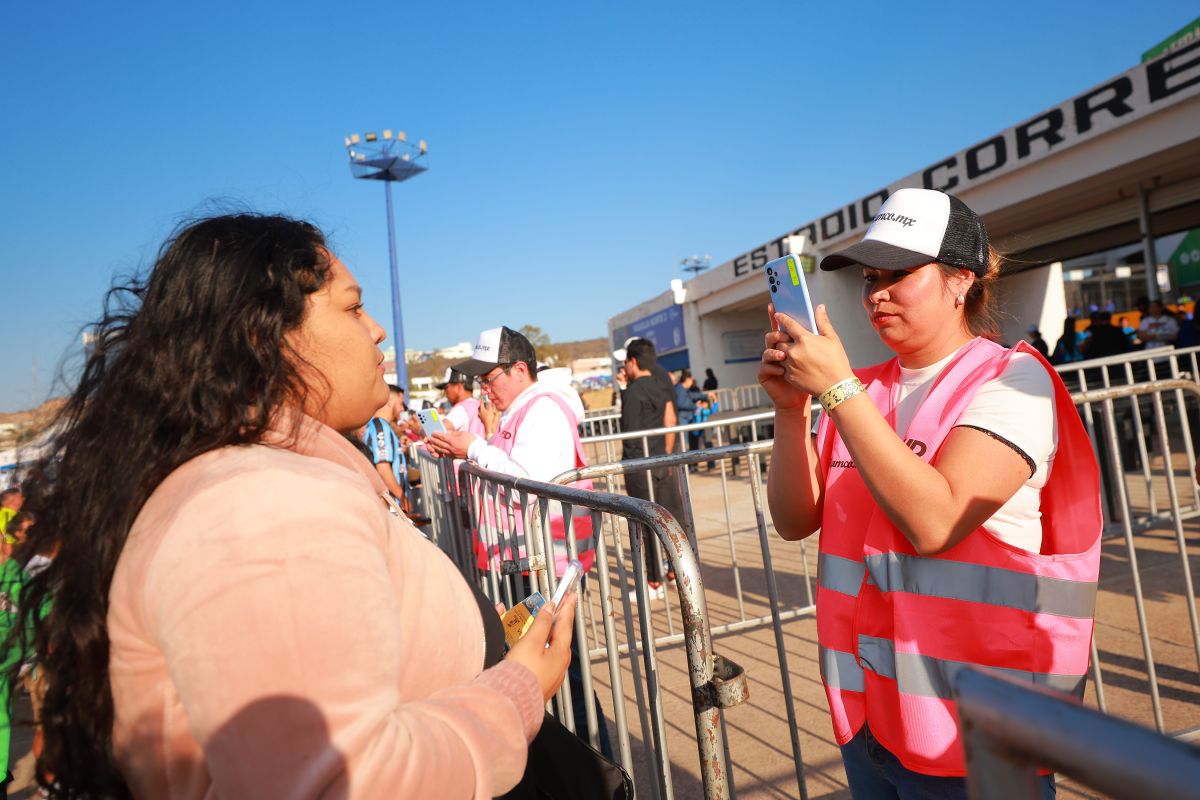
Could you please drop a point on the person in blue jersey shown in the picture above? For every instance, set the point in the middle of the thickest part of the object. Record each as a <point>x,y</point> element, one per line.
<point>387,450</point>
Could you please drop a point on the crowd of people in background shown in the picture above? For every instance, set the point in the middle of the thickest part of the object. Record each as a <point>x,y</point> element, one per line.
<point>1104,332</point>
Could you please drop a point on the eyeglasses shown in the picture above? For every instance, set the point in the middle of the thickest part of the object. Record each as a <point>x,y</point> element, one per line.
<point>490,378</point>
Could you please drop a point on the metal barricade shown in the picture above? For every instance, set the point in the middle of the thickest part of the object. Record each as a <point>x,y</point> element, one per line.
<point>1143,437</point>
<point>508,512</point>
<point>601,422</point>
<point>777,611</point>
<point>1133,497</point>
<point>1011,729</point>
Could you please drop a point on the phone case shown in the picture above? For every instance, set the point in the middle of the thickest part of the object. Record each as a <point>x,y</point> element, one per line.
<point>789,292</point>
<point>431,421</point>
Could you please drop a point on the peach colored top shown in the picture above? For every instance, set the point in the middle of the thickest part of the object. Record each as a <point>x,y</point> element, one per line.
<point>277,632</point>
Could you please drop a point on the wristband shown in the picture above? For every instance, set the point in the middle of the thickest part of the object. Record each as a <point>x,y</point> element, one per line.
<point>839,393</point>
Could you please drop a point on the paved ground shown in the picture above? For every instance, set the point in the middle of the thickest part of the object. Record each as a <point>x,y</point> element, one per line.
<point>759,731</point>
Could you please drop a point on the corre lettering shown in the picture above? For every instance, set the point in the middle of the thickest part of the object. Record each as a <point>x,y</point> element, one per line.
<point>999,156</point>
<point>1026,134</point>
<point>1122,90</point>
<point>1160,72</point>
<point>740,265</point>
<point>927,177</point>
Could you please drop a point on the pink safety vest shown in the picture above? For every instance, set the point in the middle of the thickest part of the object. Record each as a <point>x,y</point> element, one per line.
<point>894,627</point>
<point>581,518</point>
<point>475,425</point>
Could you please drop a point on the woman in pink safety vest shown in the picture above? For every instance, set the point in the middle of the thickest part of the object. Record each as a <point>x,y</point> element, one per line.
<point>956,494</point>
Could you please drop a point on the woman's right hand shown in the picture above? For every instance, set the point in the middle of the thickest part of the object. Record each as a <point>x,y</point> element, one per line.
<point>546,647</point>
<point>770,370</point>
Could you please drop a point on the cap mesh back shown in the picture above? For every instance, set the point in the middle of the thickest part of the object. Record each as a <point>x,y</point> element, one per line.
<point>965,243</point>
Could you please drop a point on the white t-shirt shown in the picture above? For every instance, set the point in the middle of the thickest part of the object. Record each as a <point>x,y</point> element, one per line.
<point>1018,407</point>
<point>1164,327</point>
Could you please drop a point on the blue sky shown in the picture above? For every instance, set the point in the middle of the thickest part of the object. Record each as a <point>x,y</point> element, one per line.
<point>578,150</point>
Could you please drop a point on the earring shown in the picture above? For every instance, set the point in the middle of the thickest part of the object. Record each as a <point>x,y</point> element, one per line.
<point>960,301</point>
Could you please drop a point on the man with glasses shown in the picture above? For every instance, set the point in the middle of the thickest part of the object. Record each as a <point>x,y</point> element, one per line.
<point>537,437</point>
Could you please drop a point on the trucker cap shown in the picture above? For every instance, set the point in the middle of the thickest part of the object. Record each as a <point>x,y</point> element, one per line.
<point>498,346</point>
<point>914,227</point>
<point>454,376</point>
<point>619,354</point>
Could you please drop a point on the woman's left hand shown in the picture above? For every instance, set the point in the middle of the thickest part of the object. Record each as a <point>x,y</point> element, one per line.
<point>812,362</point>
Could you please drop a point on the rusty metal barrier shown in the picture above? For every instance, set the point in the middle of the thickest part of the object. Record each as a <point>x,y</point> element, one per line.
<point>507,512</point>
<point>1011,729</point>
<point>1144,438</point>
<point>778,611</point>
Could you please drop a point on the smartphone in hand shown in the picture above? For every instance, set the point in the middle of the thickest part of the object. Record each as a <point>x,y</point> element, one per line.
<point>789,292</point>
<point>431,421</point>
<point>568,581</point>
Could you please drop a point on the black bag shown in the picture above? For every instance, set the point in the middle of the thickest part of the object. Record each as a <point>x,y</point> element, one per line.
<point>562,766</point>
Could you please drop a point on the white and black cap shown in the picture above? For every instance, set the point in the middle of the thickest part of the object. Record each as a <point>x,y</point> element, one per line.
<point>498,346</point>
<point>914,227</point>
<point>619,354</point>
<point>454,376</point>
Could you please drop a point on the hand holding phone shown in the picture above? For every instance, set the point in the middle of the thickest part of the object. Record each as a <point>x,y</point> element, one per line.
<point>789,292</point>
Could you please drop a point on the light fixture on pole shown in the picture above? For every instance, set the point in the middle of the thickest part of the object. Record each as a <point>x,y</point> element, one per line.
<point>696,264</point>
<point>390,159</point>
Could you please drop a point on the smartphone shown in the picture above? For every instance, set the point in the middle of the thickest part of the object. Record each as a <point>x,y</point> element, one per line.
<point>789,292</point>
<point>568,581</point>
<point>431,421</point>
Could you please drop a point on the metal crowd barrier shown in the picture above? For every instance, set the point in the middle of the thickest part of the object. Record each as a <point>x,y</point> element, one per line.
<point>507,511</point>
<point>1011,729</point>
<point>600,422</point>
<point>1143,437</point>
<point>778,611</point>
<point>1139,513</point>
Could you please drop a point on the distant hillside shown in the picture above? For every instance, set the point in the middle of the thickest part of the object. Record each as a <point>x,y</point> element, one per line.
<point>562,352</point>
<point>21,426</point>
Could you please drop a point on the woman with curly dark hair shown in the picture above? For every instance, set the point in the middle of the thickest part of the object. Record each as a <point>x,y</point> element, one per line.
<point>237,609</point>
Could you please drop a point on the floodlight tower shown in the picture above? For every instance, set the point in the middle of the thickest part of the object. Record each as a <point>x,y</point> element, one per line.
<point>390,159</point>
<point>695,264</point>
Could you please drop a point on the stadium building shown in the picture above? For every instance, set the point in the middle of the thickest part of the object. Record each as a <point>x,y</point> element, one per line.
<point>1106,182</point>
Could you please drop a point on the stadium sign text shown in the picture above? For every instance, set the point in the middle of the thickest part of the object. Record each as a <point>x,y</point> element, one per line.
<point>1129,96</point>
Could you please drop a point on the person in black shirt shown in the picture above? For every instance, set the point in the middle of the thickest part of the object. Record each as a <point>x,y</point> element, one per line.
<point>644,403</point>
<point>710,380</point>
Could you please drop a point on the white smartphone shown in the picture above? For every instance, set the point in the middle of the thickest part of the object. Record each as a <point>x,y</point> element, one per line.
<point>789,292</point>
<point>431,421</point>
<point>568,581</point>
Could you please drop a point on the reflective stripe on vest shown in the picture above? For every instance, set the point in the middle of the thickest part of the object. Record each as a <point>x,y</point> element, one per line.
<point>840,670</point>
<point>925,676</point>
<point>977,583</point>
<point>840,574</point>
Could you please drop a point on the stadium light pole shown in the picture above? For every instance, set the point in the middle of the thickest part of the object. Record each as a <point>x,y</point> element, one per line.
<point>695,264</point>
<point>390,159</point>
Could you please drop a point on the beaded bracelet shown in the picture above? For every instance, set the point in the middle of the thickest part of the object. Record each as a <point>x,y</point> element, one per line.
<point>839,393</point>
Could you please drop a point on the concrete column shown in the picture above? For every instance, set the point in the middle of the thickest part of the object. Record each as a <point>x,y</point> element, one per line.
<point>1148,255</point>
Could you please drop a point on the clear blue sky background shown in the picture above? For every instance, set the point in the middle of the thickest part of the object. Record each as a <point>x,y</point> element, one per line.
<point>578,150</point>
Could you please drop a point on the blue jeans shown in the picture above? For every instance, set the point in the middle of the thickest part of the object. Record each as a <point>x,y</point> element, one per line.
<point>875,774</point>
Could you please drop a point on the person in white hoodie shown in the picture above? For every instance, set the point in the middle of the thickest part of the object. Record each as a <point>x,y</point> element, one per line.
<point>538,430</point>
<point>538,438</point>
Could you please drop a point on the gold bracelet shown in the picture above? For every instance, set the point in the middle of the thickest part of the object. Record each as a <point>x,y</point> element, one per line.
<point>839,393</point>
